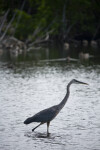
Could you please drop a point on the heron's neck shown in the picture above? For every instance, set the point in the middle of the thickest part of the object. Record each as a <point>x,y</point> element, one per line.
<point>63,102</point>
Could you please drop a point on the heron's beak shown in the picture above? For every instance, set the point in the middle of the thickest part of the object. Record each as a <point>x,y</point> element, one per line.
<point>82,83</point>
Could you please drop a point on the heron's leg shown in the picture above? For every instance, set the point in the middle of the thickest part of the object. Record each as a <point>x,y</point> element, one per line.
<point>37,126</point>
<point>48,123</point>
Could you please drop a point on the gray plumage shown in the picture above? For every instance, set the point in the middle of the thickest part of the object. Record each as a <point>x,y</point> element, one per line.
<point>47,115</point>
<point>44,115</point>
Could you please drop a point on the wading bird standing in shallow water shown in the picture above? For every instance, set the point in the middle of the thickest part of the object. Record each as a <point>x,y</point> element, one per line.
<point>47,115</point>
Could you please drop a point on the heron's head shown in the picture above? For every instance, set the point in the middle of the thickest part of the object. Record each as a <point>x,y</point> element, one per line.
<point>78,82</point>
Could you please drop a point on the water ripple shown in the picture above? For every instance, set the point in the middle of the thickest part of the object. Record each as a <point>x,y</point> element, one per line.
<point>26,92</point>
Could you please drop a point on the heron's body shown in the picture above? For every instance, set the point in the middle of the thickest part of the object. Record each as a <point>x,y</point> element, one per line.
<point>42,115</point>
<point>47,115</point>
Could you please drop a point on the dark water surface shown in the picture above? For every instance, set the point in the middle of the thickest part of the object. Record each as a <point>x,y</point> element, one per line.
<point>32,87</point>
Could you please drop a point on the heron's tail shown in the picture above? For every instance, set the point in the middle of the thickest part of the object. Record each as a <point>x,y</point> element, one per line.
<point>28,120</point>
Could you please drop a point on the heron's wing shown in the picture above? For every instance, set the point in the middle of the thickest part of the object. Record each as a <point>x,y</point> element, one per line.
<point>45,115</point>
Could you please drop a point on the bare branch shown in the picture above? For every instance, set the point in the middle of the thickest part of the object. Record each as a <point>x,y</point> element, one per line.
<point>8,26</point>
<point>4,19</point>
<point>19,17</point>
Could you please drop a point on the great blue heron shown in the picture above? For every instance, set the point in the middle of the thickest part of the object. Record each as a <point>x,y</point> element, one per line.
<point>47,115</point>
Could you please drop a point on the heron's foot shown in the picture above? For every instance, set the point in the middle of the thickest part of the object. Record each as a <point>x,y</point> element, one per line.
<point>48,134</point>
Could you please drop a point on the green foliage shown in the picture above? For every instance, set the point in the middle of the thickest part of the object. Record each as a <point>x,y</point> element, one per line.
<point>50,15</point>
<point>59,16</point>
<point>81,13</point>
<point>23,24</point>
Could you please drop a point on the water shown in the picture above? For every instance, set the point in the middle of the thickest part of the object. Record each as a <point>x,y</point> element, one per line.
<point>31,86</point>
<point>29,89</point>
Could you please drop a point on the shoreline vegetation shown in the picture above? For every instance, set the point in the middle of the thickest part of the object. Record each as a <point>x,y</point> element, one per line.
<point>28,24</point>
